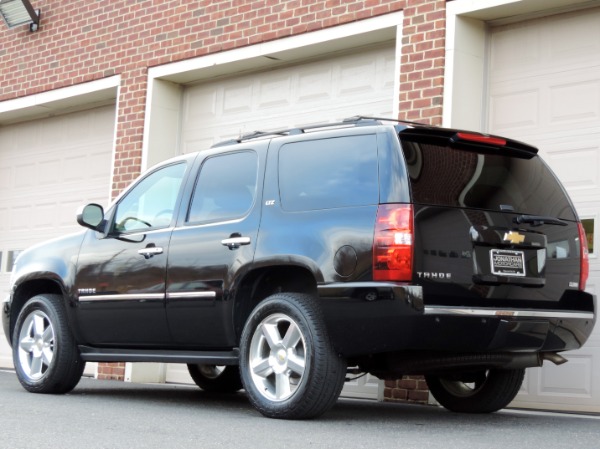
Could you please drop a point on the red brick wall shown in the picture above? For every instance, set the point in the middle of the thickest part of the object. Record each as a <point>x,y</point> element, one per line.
<point>83,40</point>
<point>407,389</point>
<point>111,371</point>
<point>422,65</point>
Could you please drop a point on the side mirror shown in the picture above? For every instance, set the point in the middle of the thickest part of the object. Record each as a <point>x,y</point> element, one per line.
<point>91,216</point>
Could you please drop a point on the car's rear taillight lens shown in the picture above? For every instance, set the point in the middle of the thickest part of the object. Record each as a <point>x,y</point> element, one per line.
<point>393,243</point>
<point>584,258</point>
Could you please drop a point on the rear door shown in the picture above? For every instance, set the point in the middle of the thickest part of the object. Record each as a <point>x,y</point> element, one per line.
<point>494,228</point>
<point>213,246</point>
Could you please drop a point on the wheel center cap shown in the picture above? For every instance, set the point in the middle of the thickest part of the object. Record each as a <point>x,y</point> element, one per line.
<point>281,356</point>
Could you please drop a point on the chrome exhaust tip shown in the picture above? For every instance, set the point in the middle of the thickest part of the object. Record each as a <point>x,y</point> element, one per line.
<point>554,358</point>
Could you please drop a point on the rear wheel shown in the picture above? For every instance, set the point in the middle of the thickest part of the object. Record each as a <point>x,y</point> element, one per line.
<point>483,391</point>
<point>45,354</point>
<point>287,363</point>
<point>216,378</point>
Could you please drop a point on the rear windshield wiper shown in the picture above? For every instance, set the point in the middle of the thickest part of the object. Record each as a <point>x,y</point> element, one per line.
<point>537,220</point>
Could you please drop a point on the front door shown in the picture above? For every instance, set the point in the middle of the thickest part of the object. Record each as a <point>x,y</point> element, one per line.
<point>120,277</point>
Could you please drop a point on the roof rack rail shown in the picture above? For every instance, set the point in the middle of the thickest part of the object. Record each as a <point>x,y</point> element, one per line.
<point>357,120</point>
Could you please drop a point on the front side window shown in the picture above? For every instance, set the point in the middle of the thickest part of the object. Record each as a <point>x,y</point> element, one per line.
<point>151,203</point>
<point>329,173</point>
<point>225,188</point>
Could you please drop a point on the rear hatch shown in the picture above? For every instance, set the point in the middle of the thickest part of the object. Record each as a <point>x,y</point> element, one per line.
<point>493,227</point>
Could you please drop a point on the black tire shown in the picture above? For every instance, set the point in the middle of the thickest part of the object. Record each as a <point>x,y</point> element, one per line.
<point>287,362</point>
<point>45,354</point>
<point>216,379</point>
<point>482,392</point>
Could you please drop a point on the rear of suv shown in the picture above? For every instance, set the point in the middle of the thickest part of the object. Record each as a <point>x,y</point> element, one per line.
<point>283,261</point>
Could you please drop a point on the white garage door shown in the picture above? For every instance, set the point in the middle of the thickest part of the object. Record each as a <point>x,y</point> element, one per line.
<point>48,168</point>
<point>312,92</point>
<point>544,89</point>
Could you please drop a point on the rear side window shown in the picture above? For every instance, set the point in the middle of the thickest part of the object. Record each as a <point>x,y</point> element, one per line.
<point>445,176</point>
<point>329,173</point>
<point>225,188</point>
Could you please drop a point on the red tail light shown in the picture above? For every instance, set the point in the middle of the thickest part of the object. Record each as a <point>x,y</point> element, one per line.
<point>393,243</point>
<point>584,258</point>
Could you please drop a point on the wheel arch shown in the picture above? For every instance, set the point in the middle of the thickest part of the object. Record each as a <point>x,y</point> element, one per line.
<point>27,290</point>
<point>264,281</point>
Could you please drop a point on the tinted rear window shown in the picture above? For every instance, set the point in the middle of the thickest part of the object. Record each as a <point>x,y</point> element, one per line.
<point>449,177</point>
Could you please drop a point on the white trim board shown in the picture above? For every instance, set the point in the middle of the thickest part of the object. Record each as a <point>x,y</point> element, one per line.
<point>66,99</point>
<point>166,82</point>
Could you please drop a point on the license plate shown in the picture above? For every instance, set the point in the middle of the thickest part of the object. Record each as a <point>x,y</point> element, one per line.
<point>507,262</point>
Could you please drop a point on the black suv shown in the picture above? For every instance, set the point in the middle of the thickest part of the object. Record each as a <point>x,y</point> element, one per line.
<point>276,261</point>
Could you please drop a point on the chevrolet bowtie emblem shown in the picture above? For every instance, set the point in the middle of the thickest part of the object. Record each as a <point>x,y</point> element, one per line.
<point>513,237</point>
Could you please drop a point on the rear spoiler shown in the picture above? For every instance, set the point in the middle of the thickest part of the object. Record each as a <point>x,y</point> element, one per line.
<point>468,141</point>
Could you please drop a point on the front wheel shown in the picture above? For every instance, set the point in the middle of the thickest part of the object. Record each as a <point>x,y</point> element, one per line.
<point>45,354</point>
<point>287,362</point>
<point>484,391</point>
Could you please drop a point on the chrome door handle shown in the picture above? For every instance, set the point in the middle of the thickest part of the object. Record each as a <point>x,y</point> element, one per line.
<point>235,242</point>
<point>150,251</point>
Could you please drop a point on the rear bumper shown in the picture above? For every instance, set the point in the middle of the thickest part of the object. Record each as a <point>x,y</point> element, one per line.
<point>373,318</point>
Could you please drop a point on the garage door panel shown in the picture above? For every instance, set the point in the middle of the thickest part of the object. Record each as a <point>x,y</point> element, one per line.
<point>270,92</point>
<point>67,213</point>
<point>575,101</point>
<point>4,223</point>
<point>569,99</point>
<point>505,61</point>
<point>19,218</point>
<point>98,160</point>
<point>194,145</point>
<point>49,167</point>
<point>48,170</point>
<point>5,180</point>
<point>507,119</point>
<point>568,41</point>
<point>572,380</point>
<point>201,104</point>
<point>238,98</point>
<point>314,85</point>
<point>44,217</point>
<point>544,88</point>
<point>581,41</point>
<point>314,91</point>
<point>576,165</point>
<point>574,156</point>
<point>25,175</point>
<point>357,77</point>
<point>75,168</point>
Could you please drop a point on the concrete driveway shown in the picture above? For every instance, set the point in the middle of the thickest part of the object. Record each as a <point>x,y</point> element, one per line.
<point>109,414</point>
